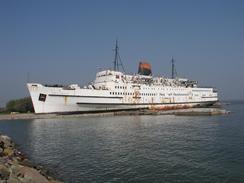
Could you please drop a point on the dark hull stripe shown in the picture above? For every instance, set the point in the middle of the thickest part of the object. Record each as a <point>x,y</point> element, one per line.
<point>209,97</point>
<point>54,95</point>
<point>203,102</point>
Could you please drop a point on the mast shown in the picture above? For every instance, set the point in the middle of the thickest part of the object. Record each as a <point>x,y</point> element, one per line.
<point>117,60</point>
<point>173,69</point>
<point>116,64</point>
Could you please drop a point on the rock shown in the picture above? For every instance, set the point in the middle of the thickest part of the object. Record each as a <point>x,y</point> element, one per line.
<point>4,173</point>
<point>26,162</point>
<point>8,151</point>
<point>16,168</point>
<point>32,176</point>
<point>7,142</point>
<point>13,179</point>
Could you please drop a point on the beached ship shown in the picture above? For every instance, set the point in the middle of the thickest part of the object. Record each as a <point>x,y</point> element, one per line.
<point>113,90</point>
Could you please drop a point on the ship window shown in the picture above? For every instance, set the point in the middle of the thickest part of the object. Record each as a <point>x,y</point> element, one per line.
<point>42,97</point>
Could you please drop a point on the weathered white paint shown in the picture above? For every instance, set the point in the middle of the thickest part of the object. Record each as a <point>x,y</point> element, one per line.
<point>113,90</point>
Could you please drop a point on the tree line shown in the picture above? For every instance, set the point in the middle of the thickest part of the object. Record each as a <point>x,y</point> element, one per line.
<point>22,105</point>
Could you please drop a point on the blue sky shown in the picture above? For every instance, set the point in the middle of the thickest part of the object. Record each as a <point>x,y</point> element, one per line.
<point>67,41</point>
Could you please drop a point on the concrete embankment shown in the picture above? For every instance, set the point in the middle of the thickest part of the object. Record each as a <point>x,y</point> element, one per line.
<point>178,112</point>
<point>16,168</point>
<point>48,116</point>
<point>187,112</point>
<point>196,112</point>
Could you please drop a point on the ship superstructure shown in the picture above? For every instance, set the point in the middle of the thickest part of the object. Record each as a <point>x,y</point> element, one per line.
<point>113,90</point>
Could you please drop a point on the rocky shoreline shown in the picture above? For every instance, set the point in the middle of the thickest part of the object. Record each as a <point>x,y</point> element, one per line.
<point>16,168</point>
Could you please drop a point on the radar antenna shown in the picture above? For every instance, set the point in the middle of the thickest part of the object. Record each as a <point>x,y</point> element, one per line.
<point>117,59</point>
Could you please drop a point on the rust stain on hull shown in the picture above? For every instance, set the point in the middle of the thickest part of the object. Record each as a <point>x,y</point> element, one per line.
<point>65,100</point>
<point>168,107</point>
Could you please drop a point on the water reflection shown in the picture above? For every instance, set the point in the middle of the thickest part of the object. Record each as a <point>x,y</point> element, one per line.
<point>135,148</point>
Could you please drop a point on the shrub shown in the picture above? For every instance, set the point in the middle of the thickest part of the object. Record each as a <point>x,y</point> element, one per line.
<point>22,105</point>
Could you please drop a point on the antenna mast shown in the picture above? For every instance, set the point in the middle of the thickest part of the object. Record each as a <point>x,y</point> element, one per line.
<point>116,64</point>
<point>117,59</point>
<point>173,69</point>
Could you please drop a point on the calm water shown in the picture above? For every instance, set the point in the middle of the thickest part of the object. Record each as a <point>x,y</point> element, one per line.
<point>136,148</point>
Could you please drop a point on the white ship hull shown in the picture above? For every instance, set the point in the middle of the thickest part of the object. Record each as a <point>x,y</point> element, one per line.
<point>48,99</point>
